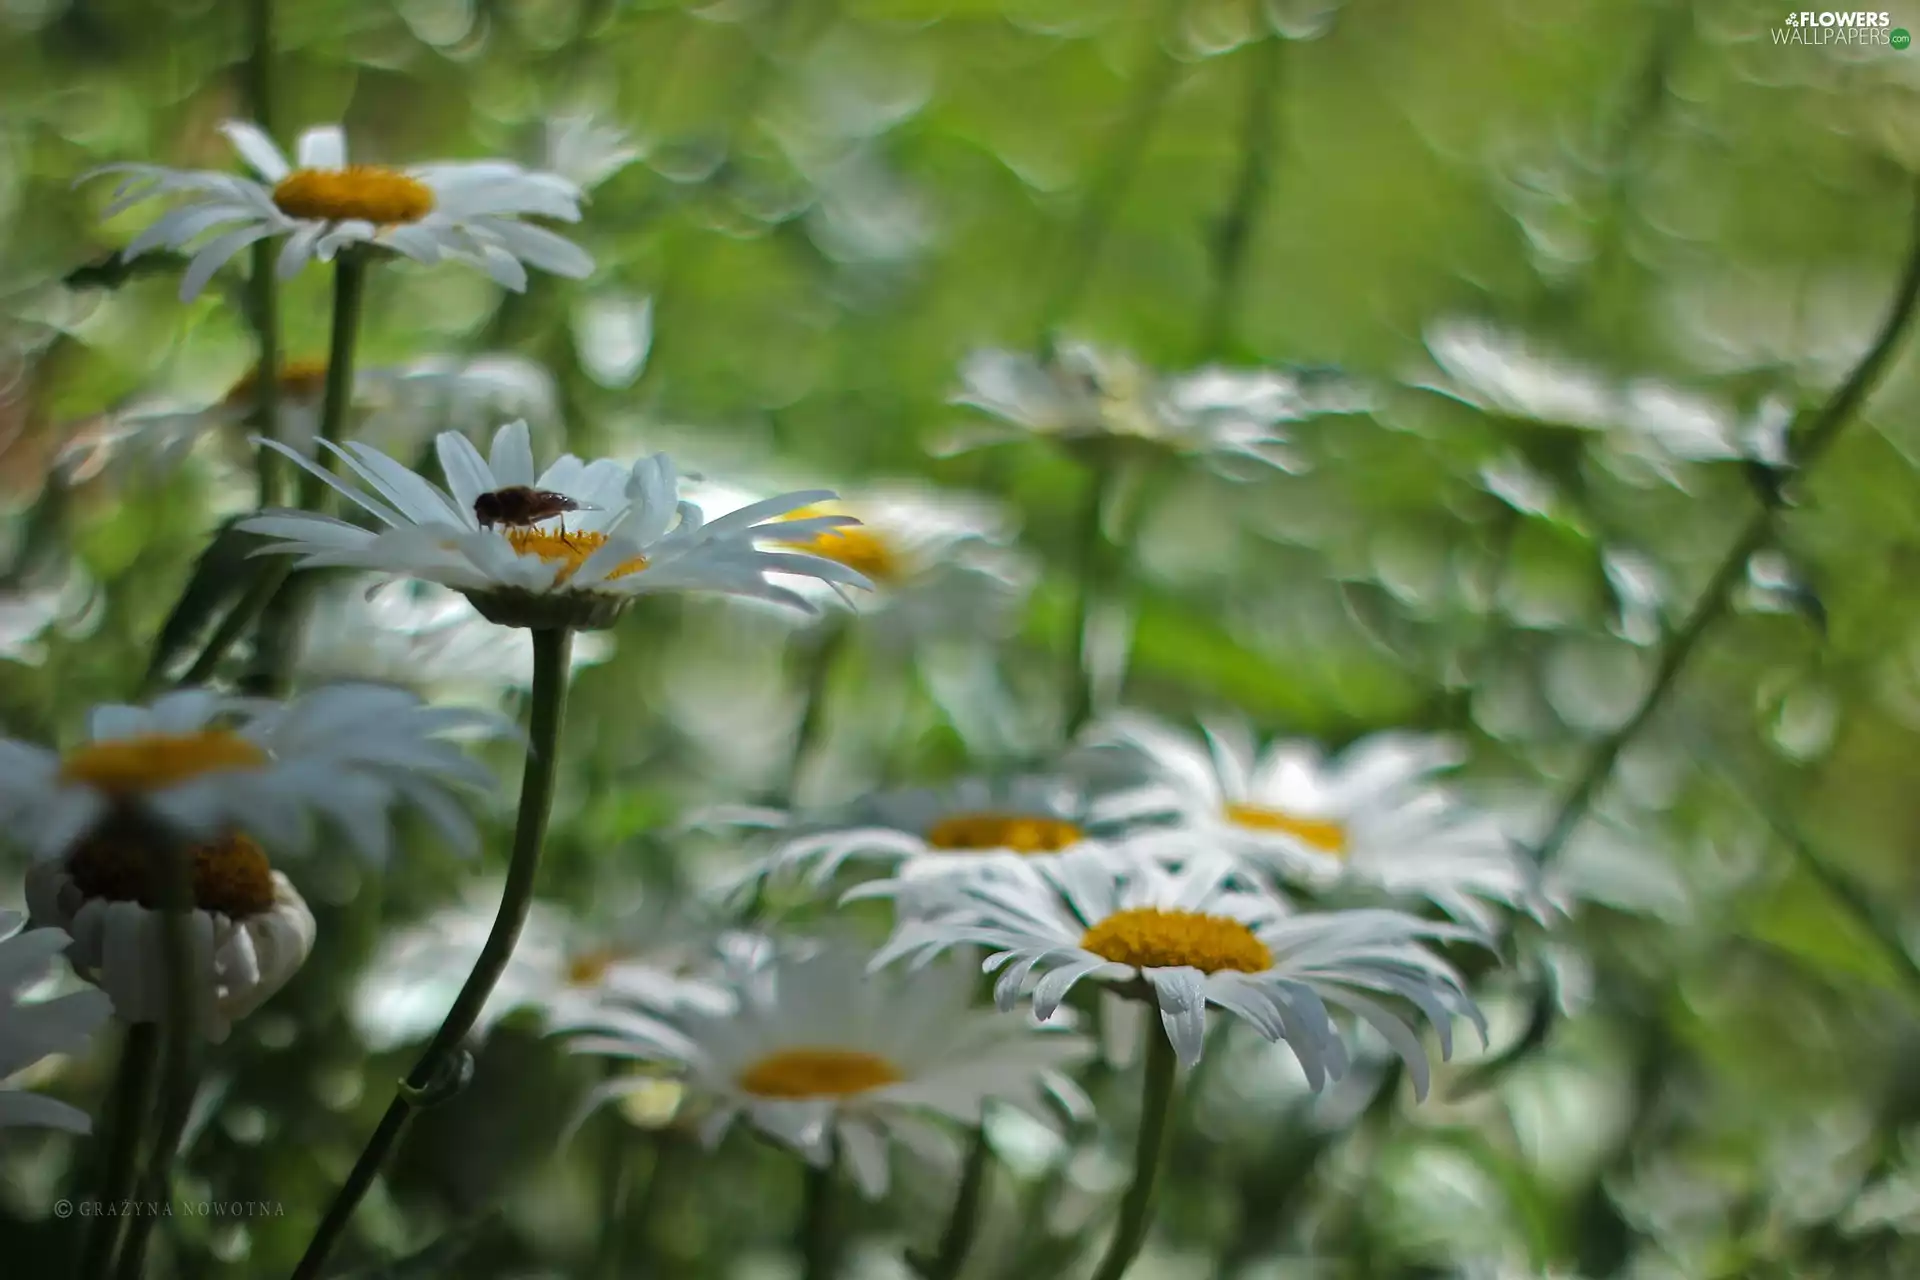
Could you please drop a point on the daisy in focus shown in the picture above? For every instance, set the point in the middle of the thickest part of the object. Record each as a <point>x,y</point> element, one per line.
<point>1188,938</point>
<point>1228,418</point>
<point>609,532</point>
<point>823,1056</point>
<point>465,212</point>
<point>30,1032</point>
<point>1374,815</point>
<point>942,564</point>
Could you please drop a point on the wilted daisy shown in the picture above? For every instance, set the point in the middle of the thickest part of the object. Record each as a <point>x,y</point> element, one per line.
<point>1189,938</point>
<point>622,532</point>
<point>468,211</point>
<point>941,564</point>
<point>823,1056</point>
<point>1373,815</point>
<point>30,1032</point>
<point>206,766</point>
<point>571,972</point>
<point>1227,417</point>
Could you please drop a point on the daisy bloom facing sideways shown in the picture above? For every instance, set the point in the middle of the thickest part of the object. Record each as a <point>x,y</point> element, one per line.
<point>823,1056</point>
<point>467,212</point>
<point>619,533</point>
<point>1373,815</point>
<point>29,1032</point>
<point>1188,938</point>
<point>198,766</point>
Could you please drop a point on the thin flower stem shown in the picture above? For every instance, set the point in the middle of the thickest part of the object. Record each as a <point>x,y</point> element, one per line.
<point>265,587</point>
<point>1156,1110</point>
<point>1755,536</point>
<point>263,284</point>
<point>615,1184</point>
<point>126,1122</point>
<point>819,661</point>
<point>179,1066</point>
<point>1235,234</point>
<point>435,1066</point>
<point>1090,564</point>
<point>963,1224</point>
<point>819,1232</point>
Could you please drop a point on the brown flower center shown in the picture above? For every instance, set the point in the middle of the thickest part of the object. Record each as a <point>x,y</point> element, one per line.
<point>152,761</point>
<point>589,968</point>
<point>858,547</point>
<point>367,192</point>
<point>299,380</point>
<point>569,550</point>
<point>1323,834</point>
<point>118,863</point>
<point>1022,833</point>
<point>1149,938</point>
<point>818,1073</point>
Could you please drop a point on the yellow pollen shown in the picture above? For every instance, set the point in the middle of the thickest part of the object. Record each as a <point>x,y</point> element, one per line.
<point>368,192</point>
<point>230,876</point>
<point>818,1073</point>
<point>589,967</point>
<point>1322,833</point>
<point>570,550</point>
<point>150,762</point>
<point>1149,938</point>
<point>299,380</point>
<point>856,546</point>
<point>1022,833</point>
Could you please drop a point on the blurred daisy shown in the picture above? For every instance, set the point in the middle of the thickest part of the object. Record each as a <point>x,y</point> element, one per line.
<point>1373,815</point>
<point>941,564</point>
<point>207,765</point>
<point>249,930</point>
<point>642,966</point>
<point>823,1056</point>
<point>585,152</point>
<point>630,533</point>
<point>1227,417</point>
<point>932,833</point>
<point>30,1032</point>
<point>468,212</point>
<point>1189,938</point>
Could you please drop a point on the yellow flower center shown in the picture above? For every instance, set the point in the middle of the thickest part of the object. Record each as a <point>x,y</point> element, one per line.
<point>858,547</point>
<point>1149,938</point>
<point>569,550</point>
<point>117,863</point>
<point>818,1073</point>
<point>368,192</point>
<point>589,968</point>
<point>299,380</point>
<point>1323,834</point>
<point>154,761</point>
<point>1022,833</point>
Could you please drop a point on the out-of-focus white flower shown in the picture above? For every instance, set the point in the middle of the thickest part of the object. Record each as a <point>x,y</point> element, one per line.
<point>1373,815</point>
<point>942,564</point>
<point>465,211</point>
<point>1190,938</point>
<point>586,152</point>
<point>207,765</point>
<point>249,931</point>
<point>30,1032</point>
<point>631,533</point>
<point>1228,418</point>
<point>822,1056</point>
<point>631,972</point>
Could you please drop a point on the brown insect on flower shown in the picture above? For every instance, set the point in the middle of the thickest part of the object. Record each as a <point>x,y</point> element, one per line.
<point>521,507</point>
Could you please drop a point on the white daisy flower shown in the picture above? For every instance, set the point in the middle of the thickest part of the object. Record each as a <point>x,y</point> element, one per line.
<point>586,152</point>
<point>1226,417</point>
<point>942,564</point>
<point>249,930</point>
<point>1188,938</point>
<point>823,1056</point>
<point>1373,815</point>
<point>933,833</point>
<point>621,532</point>
<point>573,973</point>
<point>30,1032</point>
<point>207,766</point>
<point>468,212</point>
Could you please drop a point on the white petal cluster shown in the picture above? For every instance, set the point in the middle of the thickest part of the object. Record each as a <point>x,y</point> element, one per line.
<point>30,1032</point>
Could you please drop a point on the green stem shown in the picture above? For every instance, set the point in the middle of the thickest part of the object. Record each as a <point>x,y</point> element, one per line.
<point>819,661</point>
<point>819,1236</point>
<point>126,1122</point>
<point>1136,1209</point>
<point>963,1224</point>
<point>285,612</point>
<point>266,585</point>
<point>550,670</point>
<point>263,284</point>
<point>615,1184</point>
<point>1235,234</point>
<point>179,1067</point>
<point>1089,579</point>
<point>1757,534</point>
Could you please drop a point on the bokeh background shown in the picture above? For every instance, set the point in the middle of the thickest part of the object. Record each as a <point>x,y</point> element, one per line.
<point>1585,262</point>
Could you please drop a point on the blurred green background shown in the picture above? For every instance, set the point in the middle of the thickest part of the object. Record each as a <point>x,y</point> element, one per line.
<point>815,210</point>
